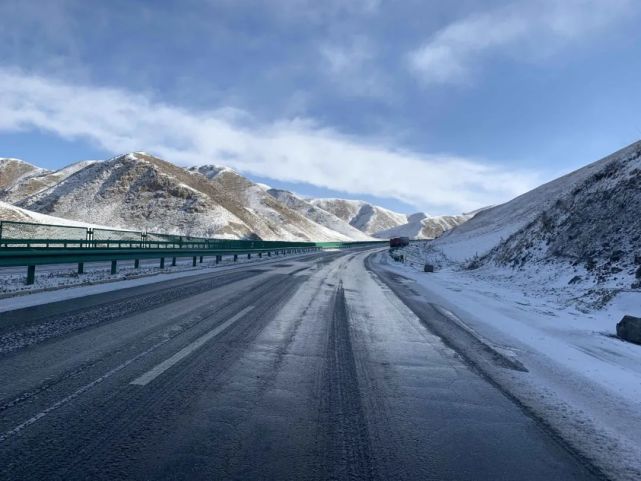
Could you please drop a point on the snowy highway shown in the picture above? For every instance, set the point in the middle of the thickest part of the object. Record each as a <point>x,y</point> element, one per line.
<point>305,368</point>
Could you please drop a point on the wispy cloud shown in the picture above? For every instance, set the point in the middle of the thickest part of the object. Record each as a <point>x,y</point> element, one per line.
<point>352,66</point>
<point>530,27</point>
<point>295,150</point>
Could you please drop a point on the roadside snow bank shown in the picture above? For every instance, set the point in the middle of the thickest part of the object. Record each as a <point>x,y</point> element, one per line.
<point>581,378</point>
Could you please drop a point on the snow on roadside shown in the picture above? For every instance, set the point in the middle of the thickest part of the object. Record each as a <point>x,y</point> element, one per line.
<point>62,282</point>
<point>10,212</point>
<point>581,378</point>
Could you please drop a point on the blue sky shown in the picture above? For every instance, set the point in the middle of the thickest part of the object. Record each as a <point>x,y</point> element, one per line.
<point>417,105</point>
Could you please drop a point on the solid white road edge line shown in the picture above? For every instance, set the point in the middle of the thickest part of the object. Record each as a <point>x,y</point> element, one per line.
<point>153,373</point>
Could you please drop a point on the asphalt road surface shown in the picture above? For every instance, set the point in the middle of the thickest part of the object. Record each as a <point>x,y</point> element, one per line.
<point>303,369</point>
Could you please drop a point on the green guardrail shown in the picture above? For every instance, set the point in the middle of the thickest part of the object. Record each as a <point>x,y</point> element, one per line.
<point>30,244</point>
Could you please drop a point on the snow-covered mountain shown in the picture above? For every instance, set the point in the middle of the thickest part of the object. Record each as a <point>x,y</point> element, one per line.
<point>424,226</point>
<point>271,219</point>
<point>586,225</point>
<point>141,192</point>
<point>317,214</point>
<point>13,170</point>
<point>363,216</point>
<point>37,180</point>
<point>384,224</point>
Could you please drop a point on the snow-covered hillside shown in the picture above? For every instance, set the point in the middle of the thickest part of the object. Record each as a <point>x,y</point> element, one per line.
<point>140,192</point>
<point>383,223</point>
<point>490,226</point>
<point>38,180</point>
<point>12,170</point>
<point>317,214</point>
<point>577,238</point>
<point>423,226</point>
<point>268,217</point>
<point>595,228</point>
<point>9,212</point>
<point>363,216</point>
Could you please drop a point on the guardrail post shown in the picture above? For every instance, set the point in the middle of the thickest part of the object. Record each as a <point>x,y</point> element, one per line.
<point>81,267</point>
<point>193,261</point>
<point>162,262</point>
<point>217,259</point>
<point>136,263</point>
<point>31,274</point>
<point>114,267</point>
<point>201,259</point>
<point>173,261</point>
<point>235,257</point>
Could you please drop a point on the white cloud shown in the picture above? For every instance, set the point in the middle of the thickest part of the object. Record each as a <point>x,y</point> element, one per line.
<point>530,27</point>
<point>352,66</point>
<point>294,150</point>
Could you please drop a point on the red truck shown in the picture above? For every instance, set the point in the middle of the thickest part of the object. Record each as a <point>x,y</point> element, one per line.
<point>399,242</point>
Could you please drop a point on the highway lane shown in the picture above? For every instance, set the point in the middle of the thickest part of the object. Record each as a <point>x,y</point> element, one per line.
<point>303,369</point>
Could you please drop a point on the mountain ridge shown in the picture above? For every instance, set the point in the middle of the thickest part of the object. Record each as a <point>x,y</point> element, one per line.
<point>142,192</point>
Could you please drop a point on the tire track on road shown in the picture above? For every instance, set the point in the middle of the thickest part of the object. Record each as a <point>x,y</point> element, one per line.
<point>345,443</point>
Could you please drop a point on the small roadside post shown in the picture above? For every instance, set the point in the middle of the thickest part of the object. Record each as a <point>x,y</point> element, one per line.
<point>31,274</point>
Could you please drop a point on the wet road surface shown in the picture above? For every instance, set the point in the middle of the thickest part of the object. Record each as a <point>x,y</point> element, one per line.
<point>307,369</point>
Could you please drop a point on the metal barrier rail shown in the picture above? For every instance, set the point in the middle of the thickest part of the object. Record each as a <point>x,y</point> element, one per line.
<point>150,244</point>
<point>33,252</point>
<point>33,257</point>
